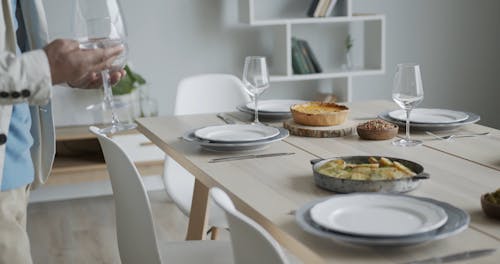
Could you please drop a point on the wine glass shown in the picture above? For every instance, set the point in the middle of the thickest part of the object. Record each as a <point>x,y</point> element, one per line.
<point>407,92</point>
<point>99,24</point>
<point>256,80</point>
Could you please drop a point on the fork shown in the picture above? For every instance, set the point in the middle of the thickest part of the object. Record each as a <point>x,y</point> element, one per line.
<point>226,119</point>
<point>230,119</point>
<point>449,137</point>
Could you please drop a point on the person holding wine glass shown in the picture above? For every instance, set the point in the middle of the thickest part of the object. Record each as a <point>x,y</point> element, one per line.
<point>29,66</point>
<point>255,80</point>
<point>407,92</point>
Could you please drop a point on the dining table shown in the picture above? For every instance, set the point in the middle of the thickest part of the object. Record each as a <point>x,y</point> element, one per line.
<point>270,190</point>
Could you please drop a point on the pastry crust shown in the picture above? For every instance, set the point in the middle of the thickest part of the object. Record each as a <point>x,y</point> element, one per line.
<point>319,113</point>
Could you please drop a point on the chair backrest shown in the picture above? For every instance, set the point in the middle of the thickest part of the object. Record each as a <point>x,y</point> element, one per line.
<point>209,93</point>
<point>134,223</point>
<point>251,242</point>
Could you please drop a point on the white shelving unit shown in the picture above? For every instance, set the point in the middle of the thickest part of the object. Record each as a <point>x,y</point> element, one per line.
<point>326,36</point>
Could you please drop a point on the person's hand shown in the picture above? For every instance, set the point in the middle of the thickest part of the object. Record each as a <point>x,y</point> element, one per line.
<point>80,67</point>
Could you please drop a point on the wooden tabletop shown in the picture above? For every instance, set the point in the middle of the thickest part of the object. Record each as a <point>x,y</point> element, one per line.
<point>268,189</point>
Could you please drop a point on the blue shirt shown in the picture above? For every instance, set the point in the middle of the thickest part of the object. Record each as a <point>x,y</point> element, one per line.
<point>18,170</point>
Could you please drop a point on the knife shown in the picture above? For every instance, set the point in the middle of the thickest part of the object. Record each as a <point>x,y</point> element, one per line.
<point>455,257</point>
<point>250,157</point>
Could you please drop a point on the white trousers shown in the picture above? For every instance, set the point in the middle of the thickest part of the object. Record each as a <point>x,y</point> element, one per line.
<point>14,241</point>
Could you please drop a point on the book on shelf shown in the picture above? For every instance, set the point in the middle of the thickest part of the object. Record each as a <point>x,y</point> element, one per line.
<point>298,63</point>
<point>321,8</point>
<point>312,8</point>
<point>305,55</point>
<point>324,8</point>
<point>330,7</point>
<point>310,55</point>
<point>303,59</point>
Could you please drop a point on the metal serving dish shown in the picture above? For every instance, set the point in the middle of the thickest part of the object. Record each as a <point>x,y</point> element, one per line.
<point>348,186</point>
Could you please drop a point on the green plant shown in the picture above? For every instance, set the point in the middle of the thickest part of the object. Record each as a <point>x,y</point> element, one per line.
<point>348,43</point>
<point>128,83</point>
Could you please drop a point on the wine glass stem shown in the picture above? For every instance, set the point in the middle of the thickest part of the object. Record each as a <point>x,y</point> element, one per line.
<point>108,96</point>
<point>408,124</point>
<point>256,119</point>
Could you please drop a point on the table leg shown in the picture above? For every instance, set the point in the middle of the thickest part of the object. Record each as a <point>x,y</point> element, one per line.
<point>198,216</point>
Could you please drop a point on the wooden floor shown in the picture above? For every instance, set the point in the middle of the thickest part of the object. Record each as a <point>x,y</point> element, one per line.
<point>83,230</point>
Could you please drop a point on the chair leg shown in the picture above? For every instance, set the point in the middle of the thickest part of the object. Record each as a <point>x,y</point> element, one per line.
<point>214,233</point>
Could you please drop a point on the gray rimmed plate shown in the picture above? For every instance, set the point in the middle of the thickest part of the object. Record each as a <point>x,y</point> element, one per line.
<point>275,106</point>
<point>458,221</point>
<point>234,146</point>
<point>265,115</point>
<point>473,118</point>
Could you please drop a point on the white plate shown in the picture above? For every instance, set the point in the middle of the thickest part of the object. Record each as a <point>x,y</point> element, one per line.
<point>234,146</point>
<point>458,221</point>
<point>236,133</point>
<point>430,116</point>
<point>274,106</point>
<point>375,215</point>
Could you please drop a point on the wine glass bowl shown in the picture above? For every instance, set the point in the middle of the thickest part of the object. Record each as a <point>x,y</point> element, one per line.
<point>103,33</point>
<point>407,92</point>
<point>255,79</point>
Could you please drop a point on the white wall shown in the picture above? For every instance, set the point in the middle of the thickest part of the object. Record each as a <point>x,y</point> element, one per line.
<point>455,41</point>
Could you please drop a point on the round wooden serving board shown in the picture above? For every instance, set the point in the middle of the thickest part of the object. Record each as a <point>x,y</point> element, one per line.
<point>344,129</point>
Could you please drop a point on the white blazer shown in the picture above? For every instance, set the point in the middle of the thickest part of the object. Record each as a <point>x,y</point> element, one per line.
<point>26,78</point>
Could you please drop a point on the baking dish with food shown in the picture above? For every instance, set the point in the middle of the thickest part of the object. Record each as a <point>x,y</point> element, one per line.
<point>342,185</point>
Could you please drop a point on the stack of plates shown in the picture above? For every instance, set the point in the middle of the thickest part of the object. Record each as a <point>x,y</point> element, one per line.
<point>431,119</point>
<point>381,219</point>
<point>235,137</point>
<point>271,109</point>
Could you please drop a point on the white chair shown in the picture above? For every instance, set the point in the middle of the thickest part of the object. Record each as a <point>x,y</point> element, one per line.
<point>251,242</point>
<point>135,230</point>
<point>208,93</point>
